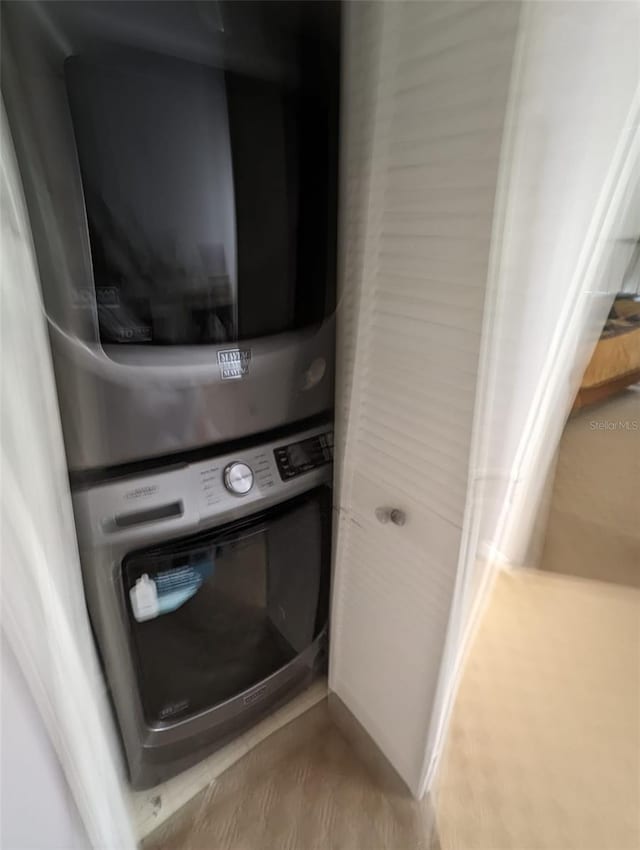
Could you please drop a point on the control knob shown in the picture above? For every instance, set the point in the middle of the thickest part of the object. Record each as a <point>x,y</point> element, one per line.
<point>238,478</point>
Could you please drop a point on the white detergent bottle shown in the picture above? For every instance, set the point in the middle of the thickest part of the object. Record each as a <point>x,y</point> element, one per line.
<point>144,599</point>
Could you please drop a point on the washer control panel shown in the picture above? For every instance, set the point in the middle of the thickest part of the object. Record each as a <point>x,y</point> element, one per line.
<point>136,510</point>
<point>303,456</point>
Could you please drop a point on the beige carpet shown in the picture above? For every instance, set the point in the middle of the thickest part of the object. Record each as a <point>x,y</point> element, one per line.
<point>594,521</point>
<point>543,752</point>
<point>303,788</point>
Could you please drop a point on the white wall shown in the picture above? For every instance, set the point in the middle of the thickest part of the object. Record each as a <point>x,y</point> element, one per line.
<point>44,619</point>
<point>567,211</point>
<point>37,811</point>
<point>566,198</point>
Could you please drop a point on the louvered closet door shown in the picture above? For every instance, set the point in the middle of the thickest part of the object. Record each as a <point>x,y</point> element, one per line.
<point>424,102</point>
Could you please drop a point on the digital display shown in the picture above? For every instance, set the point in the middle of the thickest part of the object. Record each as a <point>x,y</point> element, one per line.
<point>297,458</point>
<point>299,453</point>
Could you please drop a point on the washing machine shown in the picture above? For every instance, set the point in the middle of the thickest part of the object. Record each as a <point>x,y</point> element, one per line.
<point>208,588</point>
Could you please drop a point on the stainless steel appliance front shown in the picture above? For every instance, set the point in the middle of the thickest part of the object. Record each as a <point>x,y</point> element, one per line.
<point>124,402</point>
<point>122,405</point>
<point>235,553</point>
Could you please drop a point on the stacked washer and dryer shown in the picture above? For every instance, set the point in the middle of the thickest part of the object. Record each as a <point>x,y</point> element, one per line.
<point>179,162</point>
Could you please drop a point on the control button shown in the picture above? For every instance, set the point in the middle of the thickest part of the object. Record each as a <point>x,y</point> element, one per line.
<point>238,478</point>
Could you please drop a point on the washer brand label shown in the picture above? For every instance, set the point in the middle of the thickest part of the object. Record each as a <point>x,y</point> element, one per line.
<point>173,708</point>
<point>256,695</point>
<point>234,363</point>
<point>141,492</point>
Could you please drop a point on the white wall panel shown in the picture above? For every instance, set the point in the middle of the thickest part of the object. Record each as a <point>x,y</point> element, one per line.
<point>425,91</point>
<point>56,693</point>
<point>560,250</point>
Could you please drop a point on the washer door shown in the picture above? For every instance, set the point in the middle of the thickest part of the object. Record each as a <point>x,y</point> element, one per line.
<point>216,614</point>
